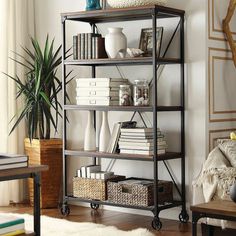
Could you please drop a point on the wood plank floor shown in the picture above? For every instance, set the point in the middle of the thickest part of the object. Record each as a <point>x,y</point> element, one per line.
<point>123,221</point>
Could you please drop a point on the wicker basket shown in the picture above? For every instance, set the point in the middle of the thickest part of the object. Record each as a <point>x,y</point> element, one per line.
<point>95,189</point>
<point>139,194</point>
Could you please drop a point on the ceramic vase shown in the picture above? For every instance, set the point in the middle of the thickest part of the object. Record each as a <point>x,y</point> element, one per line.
<point>233,192</point>
<point>90,134</point>
<point>92,5</point>
<point>115,43</point>
<point>105,134</point>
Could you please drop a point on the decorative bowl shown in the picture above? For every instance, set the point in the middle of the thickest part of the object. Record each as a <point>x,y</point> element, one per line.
<point>134,3</point>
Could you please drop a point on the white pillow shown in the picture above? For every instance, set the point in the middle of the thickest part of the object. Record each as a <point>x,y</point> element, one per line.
<point>228,147</point>
<point>216,159</point>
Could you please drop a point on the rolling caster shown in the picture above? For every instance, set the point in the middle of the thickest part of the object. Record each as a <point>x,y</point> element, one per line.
<point>65,210</point>
<point>183,217</point>
<point>156,223</point>
<point>94,206</point>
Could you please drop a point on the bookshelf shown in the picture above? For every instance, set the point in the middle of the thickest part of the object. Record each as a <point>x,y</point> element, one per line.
<point>152,13</point>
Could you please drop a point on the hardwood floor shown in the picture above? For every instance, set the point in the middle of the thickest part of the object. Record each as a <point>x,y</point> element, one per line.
<point>121,220</point>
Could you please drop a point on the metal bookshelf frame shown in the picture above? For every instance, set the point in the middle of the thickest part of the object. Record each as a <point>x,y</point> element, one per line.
<point>130,14</point>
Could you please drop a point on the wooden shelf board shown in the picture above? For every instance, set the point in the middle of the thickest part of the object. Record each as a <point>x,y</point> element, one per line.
<point>123,108</point>
<point>82,153</point>
<point>123,14</point>
<point>123,61</point>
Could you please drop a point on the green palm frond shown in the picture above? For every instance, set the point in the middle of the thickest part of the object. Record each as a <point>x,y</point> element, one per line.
<point>40,88</point>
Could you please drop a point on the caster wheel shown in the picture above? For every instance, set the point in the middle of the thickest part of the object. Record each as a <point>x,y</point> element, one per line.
<point>65,210</point>
<point>156,223</point>
<point>94,206</point>
<point>183,217</point>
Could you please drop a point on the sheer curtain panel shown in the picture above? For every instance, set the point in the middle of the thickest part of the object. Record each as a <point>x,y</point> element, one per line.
<point>16,27</point>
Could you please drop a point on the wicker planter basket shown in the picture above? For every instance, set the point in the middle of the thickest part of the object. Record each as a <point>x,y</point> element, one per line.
<point>46,152</point>
<point>94,189</point>
<point>139,194</point>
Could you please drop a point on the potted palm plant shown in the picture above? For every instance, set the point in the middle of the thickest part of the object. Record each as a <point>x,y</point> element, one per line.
<point>40,91</point>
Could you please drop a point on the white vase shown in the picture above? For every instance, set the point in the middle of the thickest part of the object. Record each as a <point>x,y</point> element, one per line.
<point>90,134</point>
<point>115,43</point>
<point>105,134</point>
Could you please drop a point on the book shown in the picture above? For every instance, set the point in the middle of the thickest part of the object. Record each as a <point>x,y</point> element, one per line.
<point>89,47</point>
<point>16,232</point>
<point>141,152</point>
<point>79,46</point>
<point>140,141</point>
<point>75,47</point>
<point>85,46</point>
<point>12,158</point>
<point>78,173</point>
<point>8,220</point>
<point>104,175</point>
<point>134,143</point>
<point>82,46</point>
<point>137,137</point>
<point>92,168</point>
<point>114,138</point>
<point>13,165</point>
<point>137,130</point>
<point>12,228</point>
<point>83,171</point>
<point>112,146</point>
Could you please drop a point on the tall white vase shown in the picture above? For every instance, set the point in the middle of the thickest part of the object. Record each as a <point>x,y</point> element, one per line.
<point>105,134</point>
<point>90,134</point>
<point>115,43</point>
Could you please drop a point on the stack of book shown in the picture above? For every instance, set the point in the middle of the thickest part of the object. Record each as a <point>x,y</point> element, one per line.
<point>93,172</point>
<point>11,225</point>
<point>11,161</point>
<point>140,141</point>
<point>88,46</point>
<point>98,91</point>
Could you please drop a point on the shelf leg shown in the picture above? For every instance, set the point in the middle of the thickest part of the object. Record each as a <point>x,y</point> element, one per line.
<point>37,204</point>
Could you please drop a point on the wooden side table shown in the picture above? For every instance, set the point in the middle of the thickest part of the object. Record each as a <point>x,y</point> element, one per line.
<point>32,171</point>
<point>223,210</point>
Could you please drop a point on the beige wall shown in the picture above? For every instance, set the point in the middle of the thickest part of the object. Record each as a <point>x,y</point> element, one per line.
<point>48,21</point>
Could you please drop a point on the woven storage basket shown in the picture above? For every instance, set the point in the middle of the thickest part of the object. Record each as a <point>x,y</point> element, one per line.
<point>95,189</point>
<point>139,194</point>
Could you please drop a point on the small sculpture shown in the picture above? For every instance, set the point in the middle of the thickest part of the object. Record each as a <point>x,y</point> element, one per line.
<point>93,5</point>
<point>134,52</point>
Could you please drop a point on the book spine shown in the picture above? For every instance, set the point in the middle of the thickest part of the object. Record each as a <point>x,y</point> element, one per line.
<point>85,46</point>
<point>16,232</point>
<point>79,46</point>
<point>89,46</point>
<point>82,46</point>
<point>96,48</point>
<point>75,47</point>
<point>93,48</point>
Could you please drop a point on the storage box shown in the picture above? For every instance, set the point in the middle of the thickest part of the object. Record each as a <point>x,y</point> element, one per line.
<point>139,192</point>
<point>95,189</point>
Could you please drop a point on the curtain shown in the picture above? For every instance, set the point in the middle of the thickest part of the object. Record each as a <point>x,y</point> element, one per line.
<point>16,27</point>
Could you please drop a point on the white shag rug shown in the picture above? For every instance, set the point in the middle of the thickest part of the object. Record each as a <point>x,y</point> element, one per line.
<point>60,227</point>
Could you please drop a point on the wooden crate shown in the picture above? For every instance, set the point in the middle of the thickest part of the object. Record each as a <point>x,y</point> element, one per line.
<point>46,152</point>
<point>95,189</point>
<point>139,194</point>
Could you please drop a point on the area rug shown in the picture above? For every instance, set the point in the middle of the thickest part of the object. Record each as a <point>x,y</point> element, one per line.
<point>60,227</point>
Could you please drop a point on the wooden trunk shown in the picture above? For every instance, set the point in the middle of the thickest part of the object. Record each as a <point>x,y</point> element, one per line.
<point>46,152</point>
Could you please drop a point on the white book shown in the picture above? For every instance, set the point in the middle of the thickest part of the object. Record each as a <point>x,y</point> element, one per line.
<point>137,130</point>
<point>12,228</point>
<point>92,168</point>
<point>78,173</point>
<point>98,98</point>
<point>103,175</point>
<point>114,138</point>
<point>134,143</point>
<point>126,138</point>
<point>141,152</point>
<point>12,158</point>
<point>83,171</point>
<point>137,137</point>
<point>14,165</point>
<point>147,148</point>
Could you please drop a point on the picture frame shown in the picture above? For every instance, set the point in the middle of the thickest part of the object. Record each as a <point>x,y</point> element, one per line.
<point>145,43</point>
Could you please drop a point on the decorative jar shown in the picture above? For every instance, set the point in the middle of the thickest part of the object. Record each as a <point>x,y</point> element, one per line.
<point>93,5</point>
<point>141,93</point>
<point>115,43</point>
<point>125,95</point>
<point>134,3</point>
